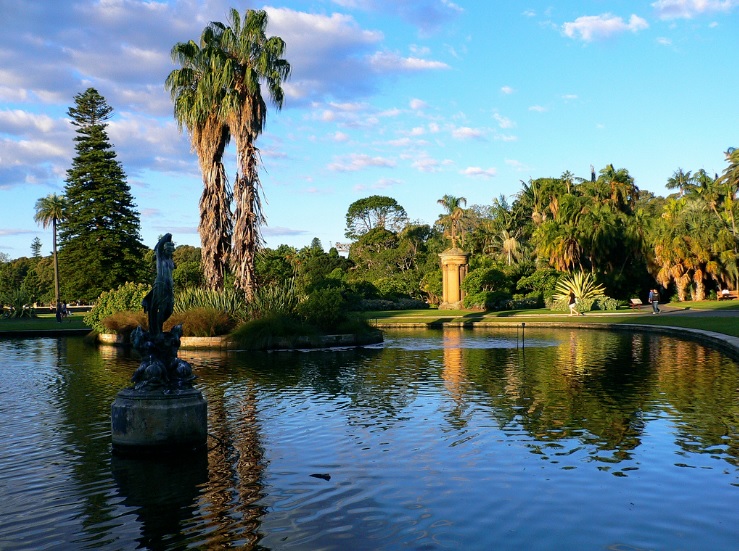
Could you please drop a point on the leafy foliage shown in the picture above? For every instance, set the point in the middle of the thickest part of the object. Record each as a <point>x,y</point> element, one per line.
<point>126,297</point>
<point>19,304</point>
<point>228,300</point>
<point>374,212</point>
<point>100,243</point>
<point>584,287</point>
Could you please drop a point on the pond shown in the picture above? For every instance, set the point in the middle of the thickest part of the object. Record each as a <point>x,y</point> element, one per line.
<point>443,439</point>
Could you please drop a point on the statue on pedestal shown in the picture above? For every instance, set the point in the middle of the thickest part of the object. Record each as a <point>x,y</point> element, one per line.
<point>160,366</point>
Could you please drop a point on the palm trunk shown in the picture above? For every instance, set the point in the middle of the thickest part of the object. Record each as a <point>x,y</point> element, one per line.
<point>56,266</point>
<point>247,219</point>
<point>215,202</point>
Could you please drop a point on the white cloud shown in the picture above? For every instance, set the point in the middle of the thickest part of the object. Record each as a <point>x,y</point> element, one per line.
<point>664,41</point>
<point>590,28</point>
<point>390,62</point>
<point>477,172</point>
<point>359,161</point>
<point>504,122</point>
<point>417,104</point>
<point>340,137</point>
<point>426,164</point>
<point>467,133</point>
<point>687,9</point>
<point>506,90</point>
<point>538,108</point>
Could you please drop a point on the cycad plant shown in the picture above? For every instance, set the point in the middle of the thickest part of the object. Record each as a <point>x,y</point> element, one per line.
<point>584,287</point>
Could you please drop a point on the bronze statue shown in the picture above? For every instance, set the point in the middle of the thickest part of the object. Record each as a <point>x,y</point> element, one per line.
<point>160,367</point>
<point>159,302</point>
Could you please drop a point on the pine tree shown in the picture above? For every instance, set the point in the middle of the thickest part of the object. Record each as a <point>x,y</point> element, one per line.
<point>36,248</point>
<point>101,246</point>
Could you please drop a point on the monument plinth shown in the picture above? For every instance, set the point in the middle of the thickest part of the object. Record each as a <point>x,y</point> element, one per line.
<point>161,412</point>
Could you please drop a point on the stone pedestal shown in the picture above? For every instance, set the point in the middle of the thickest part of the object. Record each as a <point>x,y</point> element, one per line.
<point>454,269</point>
<point>155,422</point>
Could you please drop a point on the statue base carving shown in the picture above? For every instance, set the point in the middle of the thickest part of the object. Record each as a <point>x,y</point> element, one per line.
<point>158,422</point>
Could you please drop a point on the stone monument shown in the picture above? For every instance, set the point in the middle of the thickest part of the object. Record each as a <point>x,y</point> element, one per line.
<point>454,266</point>
<point>161,412</point>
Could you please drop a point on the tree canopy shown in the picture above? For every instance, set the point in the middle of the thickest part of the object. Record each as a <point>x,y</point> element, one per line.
<point>100,246</point>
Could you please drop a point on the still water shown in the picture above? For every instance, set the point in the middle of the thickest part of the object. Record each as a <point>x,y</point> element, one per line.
<point>448,439</point>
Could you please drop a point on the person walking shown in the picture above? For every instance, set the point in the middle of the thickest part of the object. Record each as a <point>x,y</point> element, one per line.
<point>654,300</point>
<point>572,303</point>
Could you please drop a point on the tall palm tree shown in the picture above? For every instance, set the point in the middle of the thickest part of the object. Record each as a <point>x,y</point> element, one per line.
<point>452,215</point>
<point>196,93</point>
<point>50,211</point>
<point>248,60</point>
<point>624,193</point>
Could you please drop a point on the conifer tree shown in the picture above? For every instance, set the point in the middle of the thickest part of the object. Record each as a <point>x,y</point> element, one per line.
<point>101,246</point>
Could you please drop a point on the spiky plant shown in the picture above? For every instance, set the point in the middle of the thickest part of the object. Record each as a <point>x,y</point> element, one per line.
<point>583,285</point>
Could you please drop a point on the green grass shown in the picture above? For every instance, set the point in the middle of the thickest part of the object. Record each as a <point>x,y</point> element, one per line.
<point>43,322</point>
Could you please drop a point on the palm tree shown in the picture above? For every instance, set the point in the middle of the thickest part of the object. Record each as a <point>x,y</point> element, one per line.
<point>681,180</point>
<point>196,94</point>
<point>50,211</point>
<point>247,59</point>
<point>623,191</point>
<point>453,213</point>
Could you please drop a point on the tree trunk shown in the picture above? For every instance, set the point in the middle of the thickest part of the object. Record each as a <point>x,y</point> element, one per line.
<point>247,220</point>
<point>56,265</point>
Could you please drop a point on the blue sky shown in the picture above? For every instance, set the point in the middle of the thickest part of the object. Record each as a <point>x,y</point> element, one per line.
<point>410,99</point>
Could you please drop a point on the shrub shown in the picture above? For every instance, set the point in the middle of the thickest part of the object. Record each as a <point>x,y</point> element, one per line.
<point>606,304</point>
<point>229,300</point>
<point>265,332</point>
<point>202,322</point>
<point>277,299</point>
<point>489,300</point>
<point>19,302</point>
<point>127,297</point>
<point>325,309</point>
<point>583,286</point>
<point>124,322</point>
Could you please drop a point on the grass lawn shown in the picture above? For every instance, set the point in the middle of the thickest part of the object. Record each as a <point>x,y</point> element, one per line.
<point>41,323</point>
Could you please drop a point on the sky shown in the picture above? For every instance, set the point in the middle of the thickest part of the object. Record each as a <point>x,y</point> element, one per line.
<point>409,99</point>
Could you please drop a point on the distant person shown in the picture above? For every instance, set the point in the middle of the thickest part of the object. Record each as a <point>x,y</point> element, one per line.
<point>654,300</point>
<point>572,303</point>
<point>59,312</point>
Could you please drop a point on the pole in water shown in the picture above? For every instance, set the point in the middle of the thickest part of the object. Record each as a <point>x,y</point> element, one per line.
<point>523,335</point>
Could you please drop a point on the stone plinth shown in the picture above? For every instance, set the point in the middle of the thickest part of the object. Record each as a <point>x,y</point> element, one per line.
<point>454,269</point>
<point>154,421</point>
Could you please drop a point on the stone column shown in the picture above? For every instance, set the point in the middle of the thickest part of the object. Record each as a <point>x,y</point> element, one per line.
<point>454,269</point>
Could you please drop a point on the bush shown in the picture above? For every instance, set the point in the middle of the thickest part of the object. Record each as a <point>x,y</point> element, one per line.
<point>229,300</point>
<point>266,332</point>
<point>127,297</point>
<point>277,299</point>
<point>325,309</point>
<point>489,300</point>
<point>19,302</point>
<point>124,322</point>
<point>202,322</point>
<point>606,304</point>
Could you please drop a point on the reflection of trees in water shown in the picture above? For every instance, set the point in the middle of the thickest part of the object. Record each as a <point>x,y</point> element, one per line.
<point>83,391</point>
<point>235,458</point>
<point>579,389</point>
<point>700,386</point>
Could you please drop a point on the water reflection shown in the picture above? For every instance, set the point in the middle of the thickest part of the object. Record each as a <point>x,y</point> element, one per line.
<point>421,438</point>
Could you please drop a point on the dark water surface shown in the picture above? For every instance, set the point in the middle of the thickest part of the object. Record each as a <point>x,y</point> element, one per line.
<point>454,439</point>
